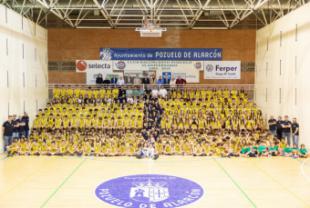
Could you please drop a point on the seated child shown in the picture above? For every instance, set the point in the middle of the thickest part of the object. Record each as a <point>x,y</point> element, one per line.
<point>303,152</point>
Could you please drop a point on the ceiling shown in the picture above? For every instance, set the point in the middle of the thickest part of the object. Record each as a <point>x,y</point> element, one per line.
<point>188,14</point>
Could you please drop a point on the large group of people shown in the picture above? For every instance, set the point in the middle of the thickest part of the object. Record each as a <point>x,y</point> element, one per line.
<point>180,121</point>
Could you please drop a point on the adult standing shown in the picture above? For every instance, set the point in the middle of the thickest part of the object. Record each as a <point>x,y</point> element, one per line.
<point>180,81</point>
<point>99,79</point>
<point>25,120</point>
<point>166,79</point>
<point>295,132</point>
<point>160,81</point>
<point>121,81</point>
<point>15,123</point>
<point>114,80</point>
<point>279,127</point>
<point>172,82</point>
<point>7,129</point>
<point>286,130</point>
<point>272,123</point>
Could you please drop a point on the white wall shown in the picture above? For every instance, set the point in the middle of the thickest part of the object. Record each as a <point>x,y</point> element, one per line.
<point>23,66</point>
<point>283,68</point>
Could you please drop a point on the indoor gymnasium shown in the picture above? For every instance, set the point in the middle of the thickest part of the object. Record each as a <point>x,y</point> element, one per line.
<point>154,103</point>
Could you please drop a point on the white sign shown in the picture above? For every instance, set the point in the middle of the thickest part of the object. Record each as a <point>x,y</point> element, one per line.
<point>83,66</point>
<point>222,69</point>
<point>93,68</point>
<point>186,69</point>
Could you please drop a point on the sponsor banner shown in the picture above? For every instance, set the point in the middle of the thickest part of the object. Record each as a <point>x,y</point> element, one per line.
<point>185,69</point>
<point>93,68</point>
<point>83,66</point>
<point>181,54</point>
<point>222,69</point>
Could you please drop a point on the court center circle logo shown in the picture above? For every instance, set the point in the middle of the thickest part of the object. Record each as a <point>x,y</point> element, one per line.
<point>149,191</point>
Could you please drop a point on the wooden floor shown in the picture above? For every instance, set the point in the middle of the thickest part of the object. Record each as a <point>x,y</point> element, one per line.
<point>71,181</point>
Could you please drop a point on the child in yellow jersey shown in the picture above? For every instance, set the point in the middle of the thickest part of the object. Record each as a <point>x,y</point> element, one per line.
<point>97,148</point>
<point>198,150</point>
<point>24,148</point>
<point>167,149</point>
<point>159,147</point>
<point>34,148</point>
<point>13,149</point>
<point>178,147</point>
<point>187,148</point>
<point>87,149</point>
<point>71,149</point>
<point>122,149</point>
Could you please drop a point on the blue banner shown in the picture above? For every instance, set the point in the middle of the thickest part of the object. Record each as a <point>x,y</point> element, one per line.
<point>181,54</point>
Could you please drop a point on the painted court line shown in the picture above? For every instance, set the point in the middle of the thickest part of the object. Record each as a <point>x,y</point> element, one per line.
<point>283,186</point>
<point>62,183</point>
<point>235,183</point>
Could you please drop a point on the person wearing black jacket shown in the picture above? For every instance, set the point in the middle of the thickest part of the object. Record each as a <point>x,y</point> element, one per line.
<point>25,125</point>
<point>99,79</point>
<point>272,125</point>
<point>7,129</point>
<point>295,132</point>
<point>15,123</point>
<point>279,127</point>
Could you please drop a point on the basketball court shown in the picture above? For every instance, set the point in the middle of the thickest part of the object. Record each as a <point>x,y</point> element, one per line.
<point>71,181</point>
<point>152,78</point>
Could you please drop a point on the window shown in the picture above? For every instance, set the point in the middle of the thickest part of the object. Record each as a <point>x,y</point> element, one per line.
<point>7,79</point>
<point>24,80</point>
<point>295,96</point>
<point>280,38</point>
<point>37,105</point>
<point>7,46</point>
<point>36,81</point>
<point>295,65</point>
<point>280,95</point>
<point>24,105</point>
<point>6,14</point>
<point>9,108</point>
<point>23,50</point>
<point>296,33</point>
<point>280,67</point>
<point>266,95</point>
<point>266,69</point>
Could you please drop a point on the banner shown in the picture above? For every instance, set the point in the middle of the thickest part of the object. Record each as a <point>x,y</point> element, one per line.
<point>93,68</point>
<point>188,70</point>
<point>222,69</point>
<point>181,54</point>
<point>83,66</point>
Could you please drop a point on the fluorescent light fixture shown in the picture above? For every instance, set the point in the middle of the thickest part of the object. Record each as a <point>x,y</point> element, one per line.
<point>93,27</point>
<point>209,28</point>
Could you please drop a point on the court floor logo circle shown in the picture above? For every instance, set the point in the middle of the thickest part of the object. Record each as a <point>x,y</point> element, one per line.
<point>149,191</point>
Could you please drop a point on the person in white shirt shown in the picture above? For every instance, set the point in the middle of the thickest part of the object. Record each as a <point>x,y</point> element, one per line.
<point>121,81</point>
<point>172,82</point>
<point>137,80</point>
<point>154,93</point>
<point>162,92</point>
